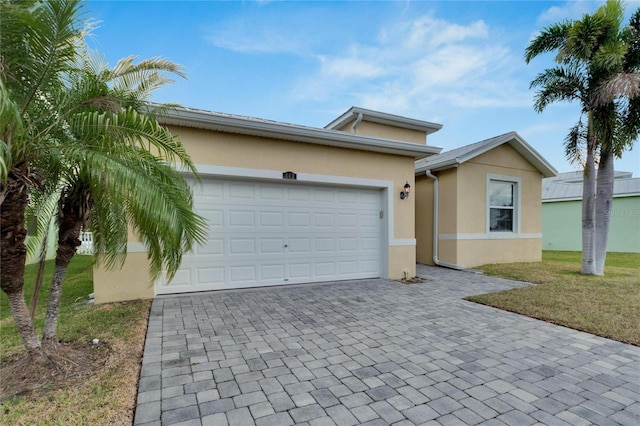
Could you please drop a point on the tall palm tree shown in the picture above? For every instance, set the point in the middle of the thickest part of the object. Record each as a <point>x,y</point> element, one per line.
<point>38,48</point>
<point>123,176</point>
<point>590,54</point>
<point>622,93</point>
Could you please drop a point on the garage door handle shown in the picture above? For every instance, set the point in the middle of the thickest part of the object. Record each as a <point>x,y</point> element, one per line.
<point>286,245</point>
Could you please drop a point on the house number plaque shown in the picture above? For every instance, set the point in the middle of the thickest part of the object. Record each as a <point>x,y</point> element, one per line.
<point>289,175</point>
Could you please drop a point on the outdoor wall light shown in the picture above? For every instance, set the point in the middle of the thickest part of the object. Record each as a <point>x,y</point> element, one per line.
<point>405,191</point>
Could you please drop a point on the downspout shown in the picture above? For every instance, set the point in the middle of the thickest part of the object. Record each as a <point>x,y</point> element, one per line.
<point>436,235</point>
<point>355,123</point>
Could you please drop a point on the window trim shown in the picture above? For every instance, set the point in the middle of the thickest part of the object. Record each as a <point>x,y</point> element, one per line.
<point>517,181</point>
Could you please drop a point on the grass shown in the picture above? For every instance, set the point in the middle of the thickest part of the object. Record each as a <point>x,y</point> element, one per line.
<point>107,395</point>
<point>607,306</point>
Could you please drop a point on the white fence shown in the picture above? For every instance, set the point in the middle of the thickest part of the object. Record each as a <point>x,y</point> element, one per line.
<point>86,247</point>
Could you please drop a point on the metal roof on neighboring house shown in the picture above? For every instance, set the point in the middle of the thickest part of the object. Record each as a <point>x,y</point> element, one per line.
<point>238,124</point>
<point>460,155</point>
<point>568,186</point>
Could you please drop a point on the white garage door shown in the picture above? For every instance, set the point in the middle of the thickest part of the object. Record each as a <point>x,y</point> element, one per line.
<point>279,233</point>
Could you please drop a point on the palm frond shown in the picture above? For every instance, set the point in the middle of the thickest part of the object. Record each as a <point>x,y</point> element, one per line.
<point>154,198</point>
<point>549,39</point>
<point>558,84</point>
<point>42,211</point>
<point>129,128</point>
<point>53,33</point>
<point>610,56</point>
<point>574,143</point>
<point>620,85</point>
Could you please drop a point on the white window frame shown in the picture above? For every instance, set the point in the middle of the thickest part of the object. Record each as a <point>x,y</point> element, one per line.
<point>516,181</point>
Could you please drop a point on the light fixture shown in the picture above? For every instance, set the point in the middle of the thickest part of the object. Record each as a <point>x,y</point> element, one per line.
<point>405,191</point>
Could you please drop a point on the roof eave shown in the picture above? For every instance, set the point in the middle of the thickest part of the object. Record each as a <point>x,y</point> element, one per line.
<point>513,139</point>
<point>247,126</point>
<point>383,118</point>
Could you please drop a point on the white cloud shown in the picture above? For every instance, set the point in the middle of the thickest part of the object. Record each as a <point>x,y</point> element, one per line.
<point>569,10</point>
<point>349,67</point>
<point>257,41</point>
<point>427,63</point>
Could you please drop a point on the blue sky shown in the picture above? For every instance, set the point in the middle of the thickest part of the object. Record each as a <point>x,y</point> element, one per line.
<point>457,63</point>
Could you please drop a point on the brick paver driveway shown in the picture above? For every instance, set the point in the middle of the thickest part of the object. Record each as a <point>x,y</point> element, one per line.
<point>376,352</point>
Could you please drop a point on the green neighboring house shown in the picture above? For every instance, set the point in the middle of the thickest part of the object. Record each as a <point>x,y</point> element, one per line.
<point>562,212</point>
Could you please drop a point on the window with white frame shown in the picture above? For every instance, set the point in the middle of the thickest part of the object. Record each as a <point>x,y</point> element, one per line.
<point>502,204</point>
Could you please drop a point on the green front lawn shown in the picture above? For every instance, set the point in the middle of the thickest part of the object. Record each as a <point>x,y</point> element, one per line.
<point>106,393</point>
<point>607,306</point>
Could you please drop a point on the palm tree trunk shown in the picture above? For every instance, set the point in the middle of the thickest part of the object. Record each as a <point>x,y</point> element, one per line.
<point>25,326</point>
<point>604,204</point>
<point>68,242</point>
<point>49,339</point>
<point>13,256</point>
<point>588,209</point>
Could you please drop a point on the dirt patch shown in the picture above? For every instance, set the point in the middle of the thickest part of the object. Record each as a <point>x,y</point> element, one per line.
<point>92,384</point>
<point>412,280</point>
<point>68,365</point>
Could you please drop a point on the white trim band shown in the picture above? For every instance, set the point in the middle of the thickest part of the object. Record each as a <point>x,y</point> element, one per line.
<point>490,236</point>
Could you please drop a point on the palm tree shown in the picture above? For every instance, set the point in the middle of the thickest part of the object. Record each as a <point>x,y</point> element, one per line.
<point>80,134</point>
<point>38,48</point>
<point>622,93</point>
<point>123,176</point>
<point>590,55</point>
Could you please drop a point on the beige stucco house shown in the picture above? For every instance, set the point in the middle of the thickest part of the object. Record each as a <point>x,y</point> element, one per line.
<point>481,204</point>
<point>290,204</point>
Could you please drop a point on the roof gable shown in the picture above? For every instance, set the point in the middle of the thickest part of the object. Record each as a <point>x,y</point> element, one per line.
<point>458,156</point>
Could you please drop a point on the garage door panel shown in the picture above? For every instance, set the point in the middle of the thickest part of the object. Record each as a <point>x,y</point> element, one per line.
<point>210,275</point>
<point>243,274</point>
<point>271,234</point>
<point>242,246</point>
<point>212,247</point>
<point>298,219</point>
<point>347,267</point>
<point>298,194</point>
<point>271,219</point>
<point>326,245</point>
<point>300,270</point>
<point>240,191</point>
<point>271,193</point>
<point>272,246</point>
<point>241,219</point>
<point>324,196</point>
<point>347,220</point>
<point>324,220</point>
<point>299,245</point>
<point>272,272</point>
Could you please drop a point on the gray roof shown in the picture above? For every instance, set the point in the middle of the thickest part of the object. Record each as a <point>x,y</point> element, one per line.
<point>568,186</point>
<point>460,155</point>
<point>239,124</point>
<point>383,118</point>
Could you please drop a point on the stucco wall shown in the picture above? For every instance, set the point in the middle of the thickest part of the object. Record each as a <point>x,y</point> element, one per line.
<point>230,150</point>
<point>132,282</point>
<point>390,132</point>
<point>463,235</point>
<point>562,225</point>
<point>424,219</point>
